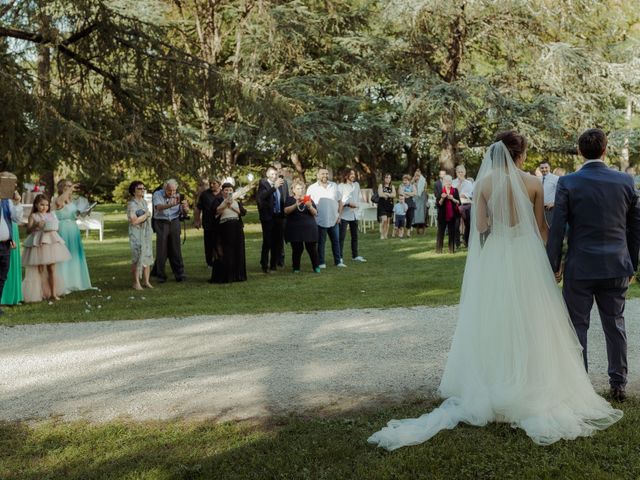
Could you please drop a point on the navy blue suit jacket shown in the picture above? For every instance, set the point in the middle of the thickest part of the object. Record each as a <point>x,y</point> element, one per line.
<point>600,207</point>
<point>266,200</point>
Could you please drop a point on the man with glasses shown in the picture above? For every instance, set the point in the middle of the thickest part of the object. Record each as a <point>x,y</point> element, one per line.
<point>166,214</point>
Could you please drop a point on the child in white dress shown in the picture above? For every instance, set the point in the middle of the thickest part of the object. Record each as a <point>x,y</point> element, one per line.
<point>43,248</point>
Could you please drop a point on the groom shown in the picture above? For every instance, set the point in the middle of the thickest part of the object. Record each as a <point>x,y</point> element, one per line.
<point>600,207</point>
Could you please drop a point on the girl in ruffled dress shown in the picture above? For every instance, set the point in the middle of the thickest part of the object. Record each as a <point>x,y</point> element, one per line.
<point>43,248</point>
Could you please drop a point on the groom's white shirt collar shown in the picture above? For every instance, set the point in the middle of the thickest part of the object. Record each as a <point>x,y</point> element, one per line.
<point>595,160</point>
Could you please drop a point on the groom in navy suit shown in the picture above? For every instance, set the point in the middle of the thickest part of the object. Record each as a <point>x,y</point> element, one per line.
<point>600,207</point>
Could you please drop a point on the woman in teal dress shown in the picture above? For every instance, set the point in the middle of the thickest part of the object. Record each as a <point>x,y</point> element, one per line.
<point>12,292</point>
<point>74,272</point>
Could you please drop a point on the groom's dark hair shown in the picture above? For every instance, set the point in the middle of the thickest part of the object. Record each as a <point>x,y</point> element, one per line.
<point>592,143</point>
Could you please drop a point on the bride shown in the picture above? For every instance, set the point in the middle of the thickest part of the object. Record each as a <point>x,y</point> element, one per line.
<point>515,356</point>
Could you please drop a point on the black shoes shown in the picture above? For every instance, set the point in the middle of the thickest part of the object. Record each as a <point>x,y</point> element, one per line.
<point>617,394</point>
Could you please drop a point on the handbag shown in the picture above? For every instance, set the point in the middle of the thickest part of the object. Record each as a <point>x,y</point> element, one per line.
<point>375,198</point>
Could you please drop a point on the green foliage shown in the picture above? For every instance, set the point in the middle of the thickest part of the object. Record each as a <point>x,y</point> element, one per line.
<point>205,87</point>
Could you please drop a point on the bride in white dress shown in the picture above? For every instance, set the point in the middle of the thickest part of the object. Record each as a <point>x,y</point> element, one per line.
<point>515,356</point>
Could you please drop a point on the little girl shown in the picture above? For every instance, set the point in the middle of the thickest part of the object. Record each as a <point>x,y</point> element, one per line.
<point>43,248</point>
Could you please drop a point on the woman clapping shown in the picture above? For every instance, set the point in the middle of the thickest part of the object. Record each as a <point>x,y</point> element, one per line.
<point>230,263</point>
<point>301,229</point>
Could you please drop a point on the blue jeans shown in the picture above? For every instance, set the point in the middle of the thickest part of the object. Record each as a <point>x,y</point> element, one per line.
<point>334,236</point>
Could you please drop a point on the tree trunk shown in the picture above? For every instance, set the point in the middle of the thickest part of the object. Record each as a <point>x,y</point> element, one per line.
<point>624,158</point>
<point>449,143</point>
<point>44,92</point>
<point>295,160</point>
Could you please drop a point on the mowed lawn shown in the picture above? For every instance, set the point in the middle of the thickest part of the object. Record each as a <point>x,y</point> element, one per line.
<point>310,447</point>
<point>318,445</point>
<point>398,273</point>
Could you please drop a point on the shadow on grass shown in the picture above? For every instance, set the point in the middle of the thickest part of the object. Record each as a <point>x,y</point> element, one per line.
<point>309,447</point>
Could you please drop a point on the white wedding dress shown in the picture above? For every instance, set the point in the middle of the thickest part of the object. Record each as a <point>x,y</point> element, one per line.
<point>515,356</point>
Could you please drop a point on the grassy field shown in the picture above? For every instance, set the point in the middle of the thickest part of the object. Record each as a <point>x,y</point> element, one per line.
<point>313,447</point>
<point>398,272</point>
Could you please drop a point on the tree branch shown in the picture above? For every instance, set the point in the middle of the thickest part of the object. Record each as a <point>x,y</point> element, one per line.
<point>22,35</point>
<point>79,35</point>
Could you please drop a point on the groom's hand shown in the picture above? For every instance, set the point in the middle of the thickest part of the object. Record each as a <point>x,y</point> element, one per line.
<point>558,274</point>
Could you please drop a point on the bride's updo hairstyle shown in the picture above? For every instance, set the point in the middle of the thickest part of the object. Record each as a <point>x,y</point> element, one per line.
<point>515,143</point>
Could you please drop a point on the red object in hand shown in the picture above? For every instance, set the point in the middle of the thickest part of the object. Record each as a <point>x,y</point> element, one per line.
<point>307,198</point>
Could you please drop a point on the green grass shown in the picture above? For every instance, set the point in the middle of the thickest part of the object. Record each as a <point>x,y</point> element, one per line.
<point>398,273</point>
<point>319,445</point>
<point>314,447</point>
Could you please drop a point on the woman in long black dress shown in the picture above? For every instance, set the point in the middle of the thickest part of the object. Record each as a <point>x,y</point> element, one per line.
<point>230,264</point>
<point>301,230</point>
<point>386,194</point>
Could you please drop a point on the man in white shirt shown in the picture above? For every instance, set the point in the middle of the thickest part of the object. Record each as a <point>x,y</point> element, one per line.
<point>349,191</point>
<point>465,190</point>
<point>10,211</point>
<point>549,185</point>
<point>328,201</point>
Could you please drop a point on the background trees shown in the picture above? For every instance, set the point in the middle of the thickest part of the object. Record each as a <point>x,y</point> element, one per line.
<point>104,89</point>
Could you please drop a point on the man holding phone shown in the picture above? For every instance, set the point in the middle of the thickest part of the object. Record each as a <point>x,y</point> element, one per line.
<point>271,195</point>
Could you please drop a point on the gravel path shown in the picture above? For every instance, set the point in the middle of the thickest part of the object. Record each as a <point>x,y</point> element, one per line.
<point>238,366</point>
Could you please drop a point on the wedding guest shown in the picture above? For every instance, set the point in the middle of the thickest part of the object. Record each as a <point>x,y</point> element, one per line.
<point>43,249</point>
<point>448,202</point>
<point>230,262</point>
<point>549,185</point>
<point>140,235</point>
<point>408,191</point>
<point>420,213</point>
<point>205,216</point>
<point>329,205</point>
<point>465,189</point>
<point>400,210</point>
<point>301,229</point>
<point>349,191</point>
<point>286,175</point>
<point>272,192</point>
<point>167,208</point>
<point>10,264</point>
<point>437,188</point>
<point>74,272</point>
<point>386,195</point>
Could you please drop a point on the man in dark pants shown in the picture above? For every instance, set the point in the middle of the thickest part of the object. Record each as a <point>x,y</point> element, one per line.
<point>204,216</point>
<point>166,214</point>
<point>601,208</point>
<point>271,196</point>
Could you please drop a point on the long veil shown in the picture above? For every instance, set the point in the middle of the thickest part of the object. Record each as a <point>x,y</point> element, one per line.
<point>514,356</point>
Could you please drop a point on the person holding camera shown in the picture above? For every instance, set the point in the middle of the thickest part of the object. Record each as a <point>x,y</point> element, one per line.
<point>140,235</point>
<point>271,196</point>
<point>230,261</point>
<point>167,211</point>
<point>301,230</point>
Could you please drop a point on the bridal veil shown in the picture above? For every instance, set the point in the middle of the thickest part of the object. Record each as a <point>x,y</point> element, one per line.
<point>514,356</point>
